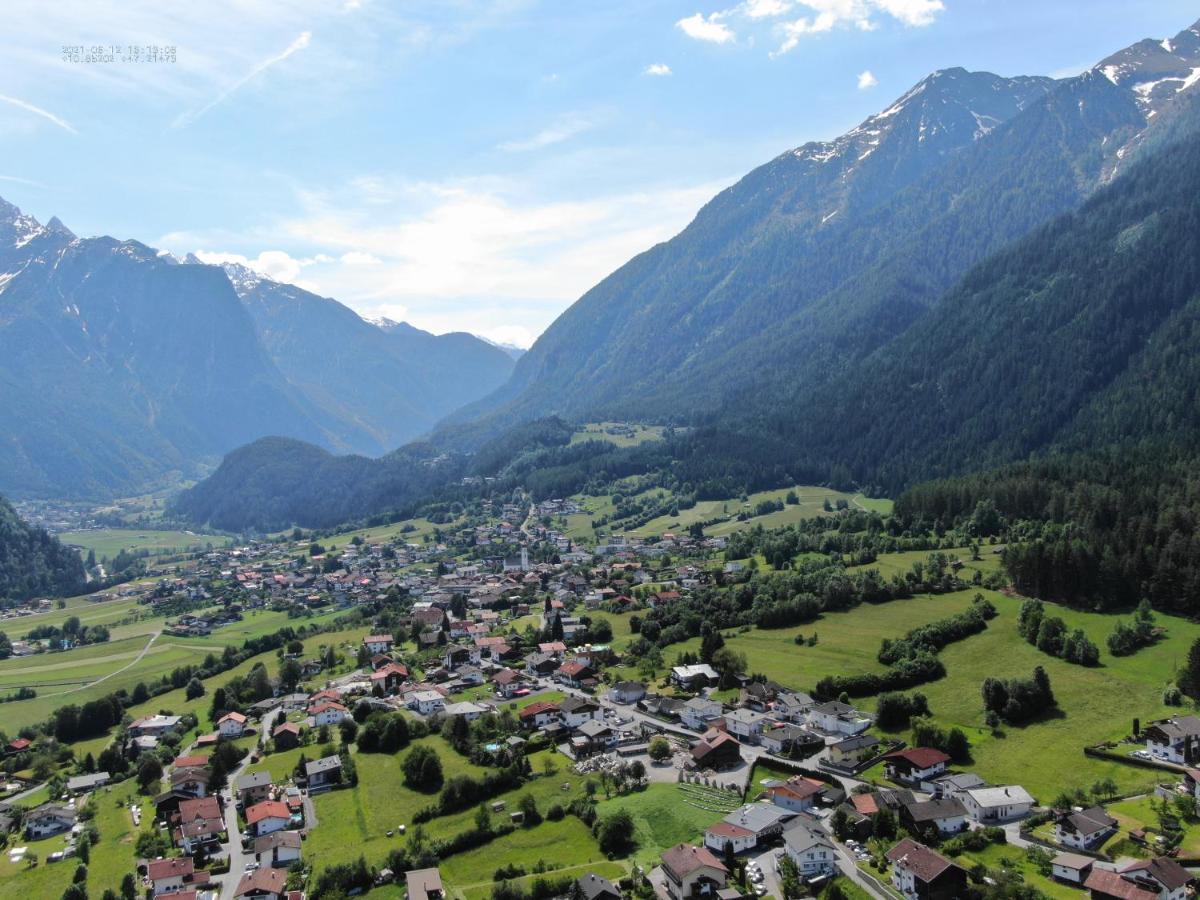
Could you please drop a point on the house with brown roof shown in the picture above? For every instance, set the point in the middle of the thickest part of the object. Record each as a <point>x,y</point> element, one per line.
<point>1167,878</point>
<point>264,883</point>
<point>923,874</point>
<point>286,736</point>
<point>539,714</point>
<point>716,750</point>
<point>424,884</point>
<point>278,849</point>
<point>170,876</point>
<point>692,872</point>
<point>378,643</point>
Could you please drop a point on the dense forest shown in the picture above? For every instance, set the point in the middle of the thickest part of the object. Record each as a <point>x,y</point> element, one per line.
<point>33,563</point>
<point>1100,530</point>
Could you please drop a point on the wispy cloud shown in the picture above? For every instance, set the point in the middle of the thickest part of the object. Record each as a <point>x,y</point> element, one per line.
<point>17,180</point>
<point>707,28</point>
<point>564,129</point>
<point>658,69</point>
<point>792,20</point>
<point>302,41</point>
<point>38,111</point>
<point>867,80</point>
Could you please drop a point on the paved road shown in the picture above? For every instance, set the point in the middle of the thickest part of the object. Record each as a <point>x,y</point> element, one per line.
<point>237,856</point>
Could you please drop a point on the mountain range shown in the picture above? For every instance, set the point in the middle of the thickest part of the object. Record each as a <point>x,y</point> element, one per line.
<point>122,368</point>
<point>946,286</point>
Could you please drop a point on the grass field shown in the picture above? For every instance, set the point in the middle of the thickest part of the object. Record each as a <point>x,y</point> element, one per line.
<point>1095,704</point>
<point>1003,857</point>
<point>619,433</point>
<point>108,542</point>
<point>665,814</point>
<point>812,503</point>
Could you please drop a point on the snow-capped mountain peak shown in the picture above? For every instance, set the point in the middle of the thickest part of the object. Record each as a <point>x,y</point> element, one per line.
<point>1155,71</point>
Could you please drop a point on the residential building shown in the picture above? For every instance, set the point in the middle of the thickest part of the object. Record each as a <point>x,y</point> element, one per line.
<point>811,851</point>
<point>380,643</point>
<point>628,691</point>
<point>745,724</point>
<point>1084,830</point>
<point>592,887</point>
<point>699,712</point>
<point>279,849</point>
<point>267,816</point>
<point>577,710</point>
<point>948,816</point>
<point>1072,868</point>
<point>1175,740</point>
<point>923,874</point>
<point>424,884</point>
<point>692,872</point>
<point>48,820</point>
<point>991,805</point>
<point>253,788</point>
<point>915,765</point>
<point>692,678</point>
<point>716,750</point>
<point>849,752</point>
<point>264,883</point>
<point>324,772</point>
<point>231,725</point>
<point>836,717</point>
<point>81,784</point>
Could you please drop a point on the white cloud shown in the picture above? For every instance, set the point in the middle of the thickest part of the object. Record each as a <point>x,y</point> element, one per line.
<point>300,43</point>
<point>658,69</point>
<point>762,9</point>
<point>707,28</point>
<point>917,13</point>
<point>457,256</point>
<point>563,130</point>
<point>867,80</point>
<point>38,111</point>
<point>811,17</point>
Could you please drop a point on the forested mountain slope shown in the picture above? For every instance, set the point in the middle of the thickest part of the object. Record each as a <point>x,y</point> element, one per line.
<point>33,563</point>
<point>821,256</point>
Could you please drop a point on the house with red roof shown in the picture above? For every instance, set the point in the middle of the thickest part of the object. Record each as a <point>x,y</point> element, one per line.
<point>539,714</point>
<point>171,876</point>
<point>914,765</point>
<point>231,725</point>
<point>574,674</point>
<point>717,836</point>
<point>270,815</point>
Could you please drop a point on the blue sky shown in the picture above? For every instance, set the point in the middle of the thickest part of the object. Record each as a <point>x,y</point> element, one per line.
<point>463,164</point>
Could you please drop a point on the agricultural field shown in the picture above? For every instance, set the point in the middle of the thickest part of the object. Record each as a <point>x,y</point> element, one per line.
<point>108,542</point>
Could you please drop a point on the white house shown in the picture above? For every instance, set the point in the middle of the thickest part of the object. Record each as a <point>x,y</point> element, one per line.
<point>718,835</point>
<point>835,717</point>
<point>745,724</point>
<point>267,817</point>
<point>698,712</point>
<point>1084,830</point>
<point>426,702</point>
<point>378,643</point>
<point>577,710</point>
<point>1164,875</point>
<point>48,820</point>
<point>328,713</point>
<point>231,725</point>
<point>989,805</point>
<point>169,876</point>
<point>278,849</point>
<point>468,710</point>
<point>810,850</point>
<point>1174,740</point>
<point>1071,867</point>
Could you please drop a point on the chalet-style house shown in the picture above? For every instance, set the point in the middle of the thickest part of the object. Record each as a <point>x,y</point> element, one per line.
<point>1175,740</point>
<point>915,765</point>
<point>690,872</point>
<point>1084,830</point>
<point>923,874</point>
